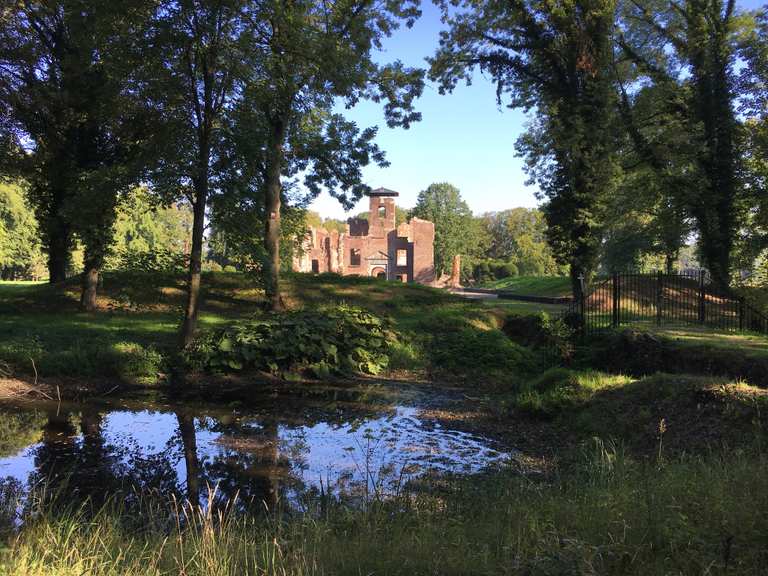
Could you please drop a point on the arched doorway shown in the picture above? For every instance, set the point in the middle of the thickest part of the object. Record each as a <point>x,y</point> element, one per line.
<point>379,272</point>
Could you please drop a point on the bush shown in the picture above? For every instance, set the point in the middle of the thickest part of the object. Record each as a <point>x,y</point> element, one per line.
<point>552,335</point>
<point>138,277</point>
<point>482,272</point>
<point>507,270</point>
<point>339,339</point>
<point>467,348</point>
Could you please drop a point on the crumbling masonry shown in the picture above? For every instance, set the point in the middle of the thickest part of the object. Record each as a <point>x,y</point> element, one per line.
<point>373,247</point>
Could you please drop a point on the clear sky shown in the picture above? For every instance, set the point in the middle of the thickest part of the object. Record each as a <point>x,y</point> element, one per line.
<point>463,138</point>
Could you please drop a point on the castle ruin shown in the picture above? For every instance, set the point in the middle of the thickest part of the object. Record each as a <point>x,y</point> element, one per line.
<point>373,247</point>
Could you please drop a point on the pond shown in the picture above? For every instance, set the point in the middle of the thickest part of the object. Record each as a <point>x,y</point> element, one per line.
<point>285,446</point>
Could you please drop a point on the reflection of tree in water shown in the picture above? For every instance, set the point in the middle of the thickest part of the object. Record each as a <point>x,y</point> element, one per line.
<point>74,467</point>
<point>260,466</point>
<point>19,429</point>
<point>248,466</point>
<point>258,458</point>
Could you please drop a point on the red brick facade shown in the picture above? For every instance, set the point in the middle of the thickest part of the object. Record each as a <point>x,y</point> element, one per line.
<point>373,247</point>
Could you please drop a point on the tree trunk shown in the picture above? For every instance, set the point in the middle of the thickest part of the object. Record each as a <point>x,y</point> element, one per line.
<point>90,283</point>
<point>189,442</point>
<point>669,262</point>
<point>58,252</point>
<point>195,261</point>
<point>272,215</point>
<point>577,281</point>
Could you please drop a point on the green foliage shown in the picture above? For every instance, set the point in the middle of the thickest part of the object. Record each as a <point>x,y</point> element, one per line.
<point>21,256</point>
<point>338,339</point>
<point>137,364</point>
<point>558,59</point>
<point>518,236</point>
<point>138,277</point>
<point>551,335</point>
<point>456,231</point>
<point>67,74</point>
<point>19,429</point>
<point>607,514</point>
<point>559,390</point>
<point>129,362</point>
<point>143,225</point>
<point>694,46</point>
<point>486,271</point>
<point>467,349</point>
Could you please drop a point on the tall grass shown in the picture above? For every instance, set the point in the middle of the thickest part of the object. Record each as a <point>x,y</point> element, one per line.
<point>608,515</point>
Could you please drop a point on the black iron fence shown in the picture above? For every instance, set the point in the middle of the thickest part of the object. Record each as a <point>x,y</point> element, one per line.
<point>664,299</point>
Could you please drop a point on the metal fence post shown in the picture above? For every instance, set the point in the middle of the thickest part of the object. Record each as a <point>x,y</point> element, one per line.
<point>702,298</point>
<point>659,296</point>
<point>616,301</point>
<point>742,312</point>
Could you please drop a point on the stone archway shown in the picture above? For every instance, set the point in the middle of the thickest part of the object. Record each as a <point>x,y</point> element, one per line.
<point>379,272</point>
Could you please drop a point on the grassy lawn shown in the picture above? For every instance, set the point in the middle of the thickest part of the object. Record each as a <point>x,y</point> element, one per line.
<point>752,344</point>
<point>133,336</point>
<point>552,286</point>
<point>522,308</point>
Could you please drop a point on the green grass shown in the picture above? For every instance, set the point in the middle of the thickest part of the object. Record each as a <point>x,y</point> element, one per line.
<point>696,410</point>
<point>610,514</point>
<point>522,308</point>
<point>134,336</point>
<point>748,343</point>
<point>552,286</point>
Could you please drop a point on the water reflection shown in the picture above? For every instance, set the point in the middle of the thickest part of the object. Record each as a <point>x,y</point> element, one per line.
<point>280,452</point>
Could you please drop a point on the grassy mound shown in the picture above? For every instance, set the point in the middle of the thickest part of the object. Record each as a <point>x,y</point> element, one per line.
<point>664,411</point>
<point>682,352</point>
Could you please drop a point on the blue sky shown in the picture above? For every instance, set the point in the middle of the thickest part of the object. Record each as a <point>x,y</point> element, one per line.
<point>464,138</point>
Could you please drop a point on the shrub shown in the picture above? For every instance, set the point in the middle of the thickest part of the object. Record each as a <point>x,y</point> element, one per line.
<point>136,364</point>
<point>486,355</point>
<point>338,339</point>
<point>507,270</point>
<point>138,277</point>
<point>482,272</point>
<point>552,335</point>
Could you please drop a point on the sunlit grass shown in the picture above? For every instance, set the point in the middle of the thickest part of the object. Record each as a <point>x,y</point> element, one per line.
<point>608,514</point>
<point>551,286</point>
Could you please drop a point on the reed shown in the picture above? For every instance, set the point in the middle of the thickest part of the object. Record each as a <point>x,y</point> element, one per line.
<point>608,514</point>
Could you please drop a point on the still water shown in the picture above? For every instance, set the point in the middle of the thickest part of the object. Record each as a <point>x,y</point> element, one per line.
<point>282,447</point>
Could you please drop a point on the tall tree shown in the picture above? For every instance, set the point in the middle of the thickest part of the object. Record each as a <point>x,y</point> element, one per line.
<point>701,37</point>
<point>193,60</point>
<point>21,256</point>
<point>65,67</point>
<point>555,57</point>
<point>753,92</point>
<point>306,56</point>
<point>648,214</point>
<point>456,231</point>
<point>519,236</point>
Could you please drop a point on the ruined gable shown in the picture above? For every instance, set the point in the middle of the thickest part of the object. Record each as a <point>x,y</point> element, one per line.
<point>374,247</point>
